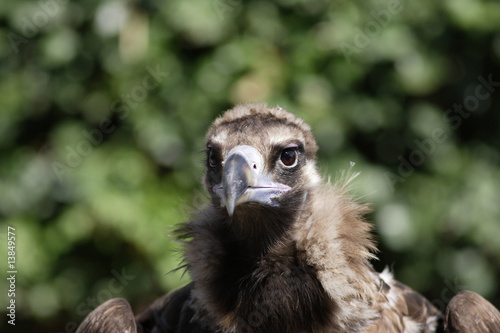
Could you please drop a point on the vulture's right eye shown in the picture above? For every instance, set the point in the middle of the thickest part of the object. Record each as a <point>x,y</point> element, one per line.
<point>213,159</point>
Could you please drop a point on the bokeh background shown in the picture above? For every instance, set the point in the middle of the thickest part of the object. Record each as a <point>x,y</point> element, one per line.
<point>104,105</point>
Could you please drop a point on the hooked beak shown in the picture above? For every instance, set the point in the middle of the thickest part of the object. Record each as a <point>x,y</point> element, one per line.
<point>243,180</point>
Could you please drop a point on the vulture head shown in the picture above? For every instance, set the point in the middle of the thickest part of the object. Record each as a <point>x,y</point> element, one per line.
<point>260,168</point>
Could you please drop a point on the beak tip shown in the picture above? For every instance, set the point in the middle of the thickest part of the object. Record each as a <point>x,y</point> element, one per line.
<point>230,206</point>
<point>230,210</point>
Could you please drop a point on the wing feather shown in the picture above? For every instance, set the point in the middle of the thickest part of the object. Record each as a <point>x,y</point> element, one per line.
<point>403,310</point>
<point>113,316</point>
<point>469,312</point>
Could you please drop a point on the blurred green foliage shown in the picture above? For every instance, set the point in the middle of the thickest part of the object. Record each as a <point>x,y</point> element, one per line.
<point>104,105</point>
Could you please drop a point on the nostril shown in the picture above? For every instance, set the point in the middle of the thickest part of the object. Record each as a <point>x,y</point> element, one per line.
<point>255,166</point>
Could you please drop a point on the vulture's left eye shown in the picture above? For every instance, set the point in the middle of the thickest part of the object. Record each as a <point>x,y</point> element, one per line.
<point>289,157</point>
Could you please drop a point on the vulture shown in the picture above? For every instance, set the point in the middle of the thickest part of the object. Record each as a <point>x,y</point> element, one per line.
<point>278,249</point>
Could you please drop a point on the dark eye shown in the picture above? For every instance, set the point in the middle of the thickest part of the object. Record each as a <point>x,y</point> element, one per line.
<point>289,157</point>
<point>213,159</point>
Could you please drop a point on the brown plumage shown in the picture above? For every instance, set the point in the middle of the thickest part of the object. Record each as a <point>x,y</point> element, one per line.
<point>114,316</point>
<point>469,312</point>
<point>279,250</point>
